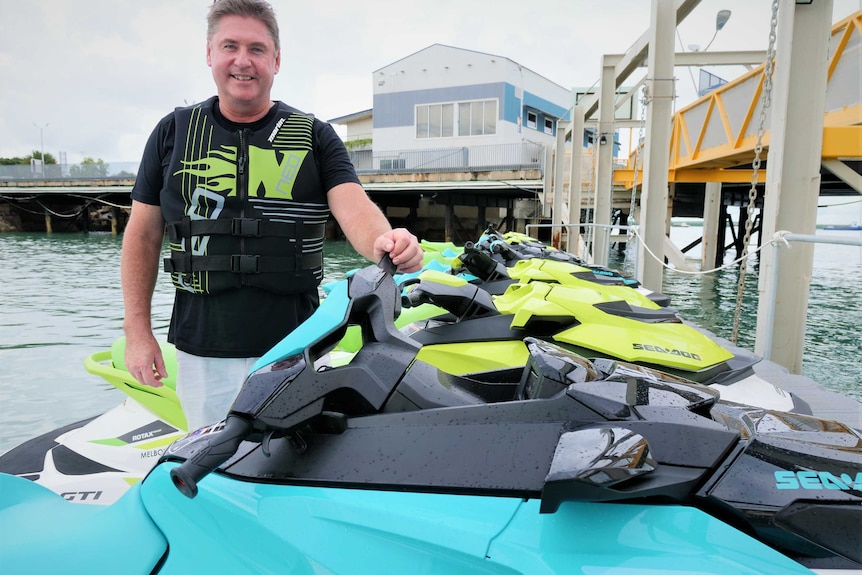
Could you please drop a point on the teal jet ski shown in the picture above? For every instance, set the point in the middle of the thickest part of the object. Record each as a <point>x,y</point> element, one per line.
<point>465,324</point>
<point>388,465</point>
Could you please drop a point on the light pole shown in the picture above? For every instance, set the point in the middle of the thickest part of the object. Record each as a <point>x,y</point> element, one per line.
<point>41,145</point>
<point>720,20</point>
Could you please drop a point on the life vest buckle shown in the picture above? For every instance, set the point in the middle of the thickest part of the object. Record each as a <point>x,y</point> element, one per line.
<point>245,264</point>
<point>245,227</point>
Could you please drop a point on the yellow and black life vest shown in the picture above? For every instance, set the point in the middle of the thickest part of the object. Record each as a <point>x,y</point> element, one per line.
<point>244,207</point>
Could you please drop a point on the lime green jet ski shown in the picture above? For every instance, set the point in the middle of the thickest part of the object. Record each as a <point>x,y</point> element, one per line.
<point>461,324</point>
<point>592,319</point>
<point>490,261</point>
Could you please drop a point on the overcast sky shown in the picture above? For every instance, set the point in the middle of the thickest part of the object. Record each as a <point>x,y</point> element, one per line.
<point>96,75</point>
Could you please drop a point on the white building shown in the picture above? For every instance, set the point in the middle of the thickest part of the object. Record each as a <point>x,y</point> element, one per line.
<point>449,107</point>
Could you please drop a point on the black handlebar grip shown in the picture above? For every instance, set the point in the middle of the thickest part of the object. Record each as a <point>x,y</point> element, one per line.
<point>387,265</point>
<point>416,297</point>
<point>214,450</point>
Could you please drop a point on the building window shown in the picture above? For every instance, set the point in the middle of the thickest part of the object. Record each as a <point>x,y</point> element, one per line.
<point>532,120</point>
<point>549,126</point>
<point>435,121</point>
<point>393,164</point>
<point>477,118</point>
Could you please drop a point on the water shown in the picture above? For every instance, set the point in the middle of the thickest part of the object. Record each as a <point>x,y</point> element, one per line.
<point>61,301</point>
<point>834,322</point>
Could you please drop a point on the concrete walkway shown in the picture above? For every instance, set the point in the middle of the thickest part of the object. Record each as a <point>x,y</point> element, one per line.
<point>825,404</point>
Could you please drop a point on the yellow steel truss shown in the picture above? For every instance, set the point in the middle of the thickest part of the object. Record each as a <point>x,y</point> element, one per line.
<point>718,131</point>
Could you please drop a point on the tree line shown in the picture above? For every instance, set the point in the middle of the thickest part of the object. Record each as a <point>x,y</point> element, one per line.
<point>88,168</point>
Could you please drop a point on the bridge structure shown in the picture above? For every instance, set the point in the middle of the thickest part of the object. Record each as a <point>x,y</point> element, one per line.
<point>711,142</point>
<point>65,204</point>
<point>776,137</point>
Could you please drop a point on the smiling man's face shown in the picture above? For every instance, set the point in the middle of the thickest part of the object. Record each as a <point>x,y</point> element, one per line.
<point>244,63</point>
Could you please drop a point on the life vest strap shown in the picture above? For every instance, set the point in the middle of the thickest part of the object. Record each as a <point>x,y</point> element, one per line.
<point>242,263</point>
<point>242,227</point>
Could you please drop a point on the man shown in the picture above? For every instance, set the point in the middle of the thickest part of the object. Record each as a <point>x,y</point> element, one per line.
<point>245,186</point>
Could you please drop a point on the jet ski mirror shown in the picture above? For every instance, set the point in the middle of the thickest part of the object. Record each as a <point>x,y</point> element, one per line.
<point>479,263</point>
<point>589,464</point>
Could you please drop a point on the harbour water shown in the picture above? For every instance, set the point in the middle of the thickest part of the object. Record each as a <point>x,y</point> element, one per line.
<point>834,319</point>
<point>61,301</point>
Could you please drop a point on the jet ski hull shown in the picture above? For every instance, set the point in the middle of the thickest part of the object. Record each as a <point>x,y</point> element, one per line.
<point>96,460</point>
<point>247,528</point>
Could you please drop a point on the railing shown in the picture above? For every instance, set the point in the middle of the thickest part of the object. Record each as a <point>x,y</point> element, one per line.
<point>88,171</point>
<point>773,285</point>
<point>518,156</point>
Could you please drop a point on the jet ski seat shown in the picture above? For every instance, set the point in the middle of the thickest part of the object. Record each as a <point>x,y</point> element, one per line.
<point>548,371</point>
<point>425,386</point>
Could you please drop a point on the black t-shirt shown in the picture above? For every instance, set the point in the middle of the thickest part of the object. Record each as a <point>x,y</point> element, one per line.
<point>244,322</point>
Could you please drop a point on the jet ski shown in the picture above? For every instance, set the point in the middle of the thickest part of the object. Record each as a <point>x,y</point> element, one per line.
<point>536,289</point>
<point>487,259</point>
<point>597,320</point>
<point>462,326</point>
<point>387,465</point>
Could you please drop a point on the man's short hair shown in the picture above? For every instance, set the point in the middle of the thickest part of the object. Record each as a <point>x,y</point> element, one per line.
<point>258,9</point>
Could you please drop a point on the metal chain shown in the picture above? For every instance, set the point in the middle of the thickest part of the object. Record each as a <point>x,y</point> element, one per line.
<point>630,220</point>
<point>766,101</point>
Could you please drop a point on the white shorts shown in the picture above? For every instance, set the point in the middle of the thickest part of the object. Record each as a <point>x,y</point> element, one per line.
<point>207,386</point>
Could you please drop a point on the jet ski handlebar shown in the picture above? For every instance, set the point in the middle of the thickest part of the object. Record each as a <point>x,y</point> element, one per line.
<point>209,454</point>
<point>213,446</point>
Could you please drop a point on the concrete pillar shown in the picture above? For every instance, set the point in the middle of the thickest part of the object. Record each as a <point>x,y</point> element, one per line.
<point>547,182</point>
<point>48,226</point>
<point>671,192</point>
<point>576,176</point>
<point>559,170</point>
<point>449,231</point>
<point>711,221</point>
<point>660,93</point>
<point>724,220</point>
<point>793,178</point>
<point>604,171</point>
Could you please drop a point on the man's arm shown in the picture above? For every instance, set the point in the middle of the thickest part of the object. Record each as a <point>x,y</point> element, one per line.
<point>139,268</point>
<point>368,230</point>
